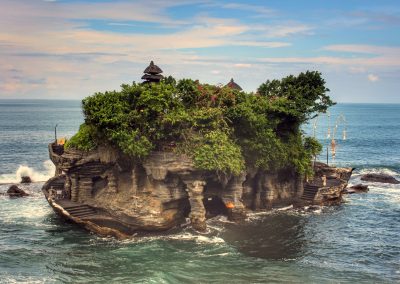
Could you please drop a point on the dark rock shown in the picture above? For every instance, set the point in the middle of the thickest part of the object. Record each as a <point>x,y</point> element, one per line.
<point>312,208</point>
<point>15,191</point>
<point>26,179</point>
<point>360,188</point>
<point>383,178</point>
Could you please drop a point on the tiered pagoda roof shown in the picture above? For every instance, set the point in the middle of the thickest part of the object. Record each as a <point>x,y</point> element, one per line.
<point>152,74</point>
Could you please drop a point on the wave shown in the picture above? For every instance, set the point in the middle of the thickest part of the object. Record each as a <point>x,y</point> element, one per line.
<point>377,170</point>
<point>24,170</point>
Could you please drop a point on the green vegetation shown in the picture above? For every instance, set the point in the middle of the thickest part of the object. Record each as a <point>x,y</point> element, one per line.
<point>220,128</point>
<point>83,140</point>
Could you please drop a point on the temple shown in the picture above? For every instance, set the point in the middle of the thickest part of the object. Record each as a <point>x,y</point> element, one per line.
<point>232,84</point>
<point>152,74</point>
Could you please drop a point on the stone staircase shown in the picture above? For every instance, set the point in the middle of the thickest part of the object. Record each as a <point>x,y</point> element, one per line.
<point>309,192</point>
<point>80,211</point>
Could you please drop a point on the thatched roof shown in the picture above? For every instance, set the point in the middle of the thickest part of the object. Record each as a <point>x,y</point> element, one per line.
<point>152,69</point>
<point>152,77</point>
<point>233,85</point>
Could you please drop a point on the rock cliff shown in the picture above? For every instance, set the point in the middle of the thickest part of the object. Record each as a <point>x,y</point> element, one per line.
<point>162,191</point>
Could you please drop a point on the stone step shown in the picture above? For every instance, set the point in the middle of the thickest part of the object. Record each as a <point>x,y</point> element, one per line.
<point>84,214</point>
<point>76,206</point>
<point>81,211</point>
<point>309,192</point>
<point>308,198</point>
<point>310,188</point>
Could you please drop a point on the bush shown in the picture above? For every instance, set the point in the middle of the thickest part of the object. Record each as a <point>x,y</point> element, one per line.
<point>222,129</point>
<point>84,140</point>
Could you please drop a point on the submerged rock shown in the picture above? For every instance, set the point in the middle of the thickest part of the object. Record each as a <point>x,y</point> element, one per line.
<point>383,178</point>
<point>15,191</point>
<point>26,179</point>
<point>360,188</point>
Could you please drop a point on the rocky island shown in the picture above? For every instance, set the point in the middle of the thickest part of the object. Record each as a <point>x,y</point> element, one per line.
<point>154,154</point>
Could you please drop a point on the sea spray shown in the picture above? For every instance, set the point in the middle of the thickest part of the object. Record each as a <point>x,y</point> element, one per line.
<point>35,175</point>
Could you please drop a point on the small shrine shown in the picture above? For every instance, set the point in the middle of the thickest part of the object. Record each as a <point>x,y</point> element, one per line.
<point>152,74</point>
<point>233,85</point>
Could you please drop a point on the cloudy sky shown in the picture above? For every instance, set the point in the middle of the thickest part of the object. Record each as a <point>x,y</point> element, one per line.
<point>69,49</point>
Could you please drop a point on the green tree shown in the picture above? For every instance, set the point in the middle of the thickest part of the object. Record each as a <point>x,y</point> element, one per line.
<point>301,97</point>
<point>221,129</point>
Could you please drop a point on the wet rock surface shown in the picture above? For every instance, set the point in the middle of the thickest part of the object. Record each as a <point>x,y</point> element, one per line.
<point>15,191</point>
<point>327,186</point>
<point>382,178</point>
<point>358,188</point>
<point>26,179</point>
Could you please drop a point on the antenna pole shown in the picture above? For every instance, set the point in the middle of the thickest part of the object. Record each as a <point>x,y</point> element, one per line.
<point>327,155</point>
<point>55,133</point>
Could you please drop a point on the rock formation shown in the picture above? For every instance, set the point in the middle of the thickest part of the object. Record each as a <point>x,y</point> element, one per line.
<point>112,194</point>
<point>26,179</point>
<point>15,191</point>
<point>165,189</point>
<point>327,185</point>
<point>157,154</point>
<point>358,188</point>
<point>383,178</point>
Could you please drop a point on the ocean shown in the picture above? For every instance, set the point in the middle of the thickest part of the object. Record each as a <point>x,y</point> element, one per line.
<point>356,242</point>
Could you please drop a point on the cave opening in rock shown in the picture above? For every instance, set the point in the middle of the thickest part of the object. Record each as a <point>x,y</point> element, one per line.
<point>214,206</point>
<point>98,184</point>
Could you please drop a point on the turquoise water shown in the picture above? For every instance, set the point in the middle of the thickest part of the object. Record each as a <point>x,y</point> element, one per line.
<point>355,242</point>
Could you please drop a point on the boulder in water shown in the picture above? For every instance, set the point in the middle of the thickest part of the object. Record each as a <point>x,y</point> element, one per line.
<point>360,187</point>
<point>26,179</point>
<point>15,191</point>
<point>383,178</point>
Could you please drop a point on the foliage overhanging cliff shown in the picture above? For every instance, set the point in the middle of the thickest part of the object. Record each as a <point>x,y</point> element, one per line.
<point>220,128</point>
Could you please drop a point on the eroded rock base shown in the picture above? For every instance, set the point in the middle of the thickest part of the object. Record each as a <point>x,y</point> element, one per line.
<point>110,194</point>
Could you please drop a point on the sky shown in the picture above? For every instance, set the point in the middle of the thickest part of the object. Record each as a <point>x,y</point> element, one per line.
<point>69,49</point>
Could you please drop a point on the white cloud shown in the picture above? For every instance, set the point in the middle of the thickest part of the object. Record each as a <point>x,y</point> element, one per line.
<point>378,56</point>
<point>56,51</point>
<point>372,77</point>
<point>242,65</point>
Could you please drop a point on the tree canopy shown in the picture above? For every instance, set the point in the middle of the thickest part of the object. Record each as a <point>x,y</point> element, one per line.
<point>221,129</point>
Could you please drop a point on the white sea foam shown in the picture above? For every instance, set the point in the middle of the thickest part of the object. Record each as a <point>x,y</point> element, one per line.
<point>24,170</point>
<point>185,236</point>
<point>196,238</point>
<point>376,171</point>
<point>285,208</point>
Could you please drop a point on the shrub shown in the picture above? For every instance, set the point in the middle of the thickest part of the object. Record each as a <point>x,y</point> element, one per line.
<point>222,129</point>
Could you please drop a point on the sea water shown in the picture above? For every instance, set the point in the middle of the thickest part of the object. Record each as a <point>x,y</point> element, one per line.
<point>357,242</point>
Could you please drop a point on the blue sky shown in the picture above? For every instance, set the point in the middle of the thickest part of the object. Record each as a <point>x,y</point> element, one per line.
<point>69,49</point>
